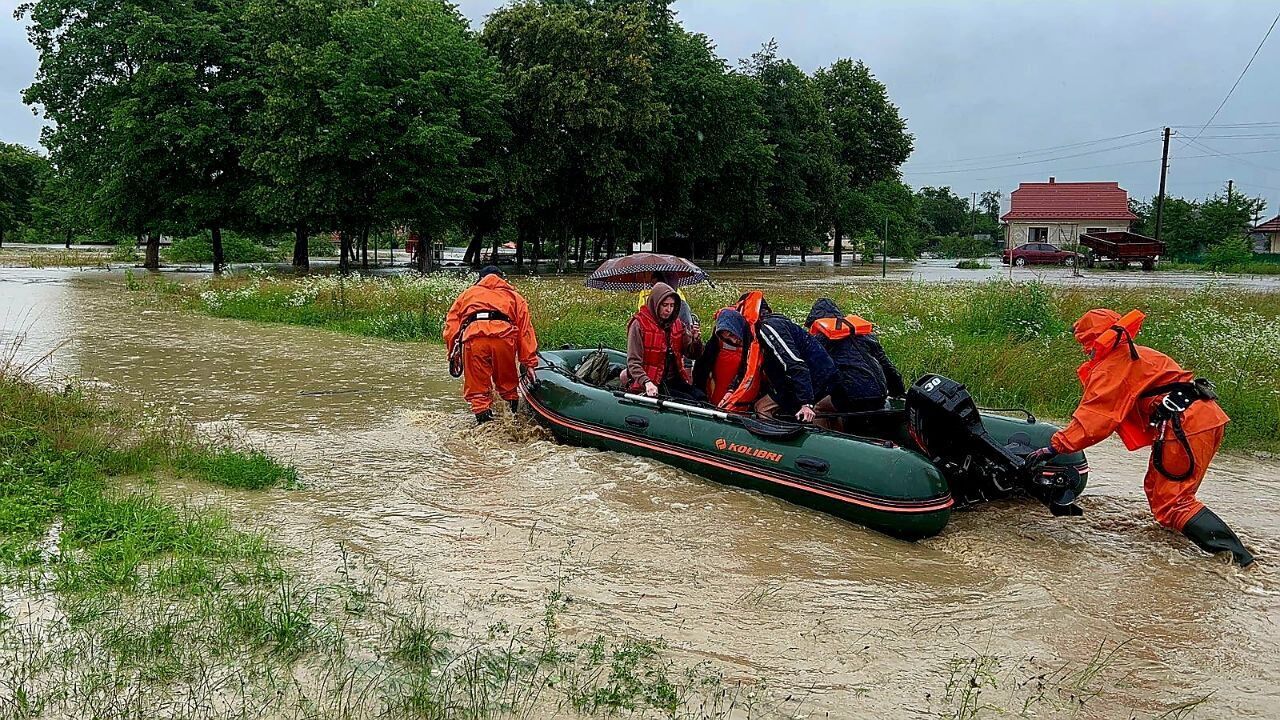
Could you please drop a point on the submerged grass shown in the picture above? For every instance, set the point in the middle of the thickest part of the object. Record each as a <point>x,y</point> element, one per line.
<point>1011,344</point>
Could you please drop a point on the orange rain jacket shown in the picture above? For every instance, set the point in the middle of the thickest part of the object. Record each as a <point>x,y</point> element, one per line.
<point>494,293</point>
<point>1114,383</point>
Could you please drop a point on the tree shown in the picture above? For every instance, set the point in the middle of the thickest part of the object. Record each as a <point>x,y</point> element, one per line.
<point>1190,227</point>
<point>582,109</point>
<point>22,171</point>
<point>871,138</point>
<point>801,183</point>
<point>942,212</point>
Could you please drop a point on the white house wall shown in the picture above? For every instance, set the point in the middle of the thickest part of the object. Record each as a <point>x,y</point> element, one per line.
<point>1061,231</point>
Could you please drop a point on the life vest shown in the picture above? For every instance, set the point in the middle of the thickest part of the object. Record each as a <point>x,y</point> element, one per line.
<point>727,366</point>
<point>658,342</point>
<point>840,328</point>
<point>1133,431</point>
<point>747,391</point>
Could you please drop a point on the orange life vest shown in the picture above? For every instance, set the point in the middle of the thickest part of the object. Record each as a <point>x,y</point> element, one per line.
<point>657,342</point>
<point>841,328</point>
<point>744,396</point>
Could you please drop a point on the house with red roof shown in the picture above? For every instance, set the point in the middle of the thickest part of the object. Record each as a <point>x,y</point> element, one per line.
<point>1058,213</point>
<point>1270,236</point>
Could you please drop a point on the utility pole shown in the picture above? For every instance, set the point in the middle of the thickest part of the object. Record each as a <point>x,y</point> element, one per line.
<point>1164,170</point>
<point>973,218</point>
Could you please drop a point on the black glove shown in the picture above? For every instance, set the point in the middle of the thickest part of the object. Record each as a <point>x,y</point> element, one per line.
<point>1041,455</point>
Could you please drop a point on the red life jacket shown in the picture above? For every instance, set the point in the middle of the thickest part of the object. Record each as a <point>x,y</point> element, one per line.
<point>728,364</point>
<point>656,343</point>
<point>744,396</point>
<point>841,328</point>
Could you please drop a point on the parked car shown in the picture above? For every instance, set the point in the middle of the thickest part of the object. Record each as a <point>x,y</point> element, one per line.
<point>1038,254</point>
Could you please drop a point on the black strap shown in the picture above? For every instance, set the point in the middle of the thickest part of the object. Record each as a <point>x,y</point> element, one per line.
<point>1178,397</point>
<point>1123,335</point>
<point>1157,450</point>
<point>455,350</point>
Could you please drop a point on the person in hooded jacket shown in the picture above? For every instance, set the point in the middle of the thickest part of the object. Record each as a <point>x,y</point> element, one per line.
<point>1146,398</point>
<point>797,370</point>
<point>489,326</point>
<point>658,342</point>
<point>865,377</point>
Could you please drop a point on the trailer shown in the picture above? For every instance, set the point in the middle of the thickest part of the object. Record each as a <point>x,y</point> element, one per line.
<point>1121,247</point>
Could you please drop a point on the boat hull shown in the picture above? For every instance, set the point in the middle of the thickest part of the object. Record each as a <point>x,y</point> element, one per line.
<point>878,482</point>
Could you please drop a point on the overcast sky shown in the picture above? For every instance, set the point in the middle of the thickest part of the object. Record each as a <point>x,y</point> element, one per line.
<point>981,84</point>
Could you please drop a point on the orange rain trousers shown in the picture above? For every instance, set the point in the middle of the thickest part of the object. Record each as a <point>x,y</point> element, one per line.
<point>488,362</point>
<point>1174,502</point>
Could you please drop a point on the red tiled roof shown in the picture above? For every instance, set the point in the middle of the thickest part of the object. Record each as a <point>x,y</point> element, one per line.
<point>1270,226</point>
<point>1069,201</point>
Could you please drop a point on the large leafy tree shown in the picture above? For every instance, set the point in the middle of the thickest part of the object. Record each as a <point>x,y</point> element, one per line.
<point>583,109</point>
<point>871,138</point>
<point>942,212</point>
<point>22,173</point>
<point>129,88</point>
<point>801,182</point>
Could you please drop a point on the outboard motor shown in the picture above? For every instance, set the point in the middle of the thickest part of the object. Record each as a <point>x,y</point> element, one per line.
<point>945,424</point>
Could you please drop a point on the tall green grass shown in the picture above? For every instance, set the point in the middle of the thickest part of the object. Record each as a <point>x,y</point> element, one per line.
<point>1011,344</point>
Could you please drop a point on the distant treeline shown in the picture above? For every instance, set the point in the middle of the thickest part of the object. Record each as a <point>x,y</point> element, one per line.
<point>567,127</point>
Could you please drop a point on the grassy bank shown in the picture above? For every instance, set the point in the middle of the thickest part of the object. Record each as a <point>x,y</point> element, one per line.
<point>1011,344</point>
<point>117,604</point>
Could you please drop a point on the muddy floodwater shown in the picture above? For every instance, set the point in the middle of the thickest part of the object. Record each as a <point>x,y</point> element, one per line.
<point>847,622</point>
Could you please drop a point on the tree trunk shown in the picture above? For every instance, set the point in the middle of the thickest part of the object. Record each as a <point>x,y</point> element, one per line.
<point>836,249</point>
<point>773,254</point>
<point>364,248</point>
<point>761,260</point>
<point>422,256</point>
<point>562,260</point>
<point>474,247</point>
<point>611,243</point>
<point>1,237</point>
<point>68,238</point>
<point>216,233</point>
<point>301,254</point>
<point>344,252</point>
<point>520,235</point>
<point>152,261</point>
<point>803,251</point>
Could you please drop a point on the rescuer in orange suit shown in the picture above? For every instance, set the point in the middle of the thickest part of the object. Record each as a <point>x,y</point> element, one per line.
<point>1149,400</point>
<point>487,331</point>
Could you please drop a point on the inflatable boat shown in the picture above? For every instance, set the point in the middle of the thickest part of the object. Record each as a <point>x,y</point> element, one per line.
<point>900,470</point>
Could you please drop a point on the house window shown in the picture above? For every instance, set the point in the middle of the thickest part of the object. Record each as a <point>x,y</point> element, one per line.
<point>1092,231</point>
<point>1037,234</point>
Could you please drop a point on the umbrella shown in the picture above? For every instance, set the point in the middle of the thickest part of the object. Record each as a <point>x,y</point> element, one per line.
<point>639,271</point>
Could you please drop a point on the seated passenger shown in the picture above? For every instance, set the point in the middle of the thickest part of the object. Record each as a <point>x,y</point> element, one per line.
<point>724,359</point>
<point>865,377</point>
<point>798,371</point>
<point>657,344</point>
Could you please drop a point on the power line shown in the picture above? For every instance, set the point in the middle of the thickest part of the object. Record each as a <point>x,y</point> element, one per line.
<point>1239,156</point>
<point>1242,72</point>
<point>1028,162</point>
<point>1038,151</point>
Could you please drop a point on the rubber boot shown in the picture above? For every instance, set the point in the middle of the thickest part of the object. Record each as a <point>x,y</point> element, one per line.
<point>514,405</point>
<point>1213,536</point>
<point>484,417</point>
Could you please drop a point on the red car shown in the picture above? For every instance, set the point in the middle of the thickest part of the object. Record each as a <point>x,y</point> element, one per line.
<point>1037,253</point>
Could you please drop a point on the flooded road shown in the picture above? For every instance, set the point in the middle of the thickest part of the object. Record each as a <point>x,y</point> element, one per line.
<point>482,524</point>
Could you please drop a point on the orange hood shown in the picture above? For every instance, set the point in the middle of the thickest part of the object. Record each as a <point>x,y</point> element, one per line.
<point>1100,330</point>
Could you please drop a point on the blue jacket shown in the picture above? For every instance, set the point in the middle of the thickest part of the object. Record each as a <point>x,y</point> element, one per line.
<point>864,368</point>
<point>799,370</point>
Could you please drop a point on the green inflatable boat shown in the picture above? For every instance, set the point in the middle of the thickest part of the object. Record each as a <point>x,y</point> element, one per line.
<point>901,470</point>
